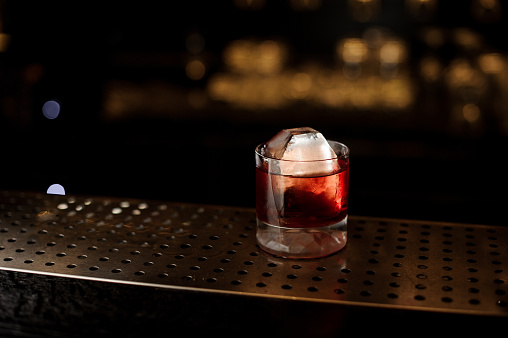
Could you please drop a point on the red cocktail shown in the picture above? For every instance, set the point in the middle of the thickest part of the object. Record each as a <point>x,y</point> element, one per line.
<point>302,214</point>
<point>302,202</point>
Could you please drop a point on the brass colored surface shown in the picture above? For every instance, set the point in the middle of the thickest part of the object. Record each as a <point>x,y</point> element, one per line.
<point>387,263</point>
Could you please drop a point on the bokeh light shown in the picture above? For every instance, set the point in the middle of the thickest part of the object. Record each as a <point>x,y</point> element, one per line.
<point>393,51</point>
<point>250,4</point>
<point>430,69</point>
<point>471,112</point>
<point>352,50</point>
<point>305,5</point>
<point>5,40</point>
<point>364,10</point>
<point>422,10</point>
<point>486,11</point>
<point>195,69</point>
<point>491,63</point>
<point>51,109</point>
<point>56,189</point>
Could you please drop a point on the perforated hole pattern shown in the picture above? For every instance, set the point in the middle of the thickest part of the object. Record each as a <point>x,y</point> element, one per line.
<point>394,263</point>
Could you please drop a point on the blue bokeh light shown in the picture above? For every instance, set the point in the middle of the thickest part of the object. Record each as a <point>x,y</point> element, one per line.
<point>56,189</point>
<point>51,109</point>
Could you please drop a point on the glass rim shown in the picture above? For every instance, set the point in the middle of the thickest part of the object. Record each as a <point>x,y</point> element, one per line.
<point>346,154</point>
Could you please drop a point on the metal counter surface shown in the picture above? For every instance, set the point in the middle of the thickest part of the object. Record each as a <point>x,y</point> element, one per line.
<point>387,263</point>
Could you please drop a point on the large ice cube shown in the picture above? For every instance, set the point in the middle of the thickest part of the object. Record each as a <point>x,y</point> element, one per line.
<point>302,151</point>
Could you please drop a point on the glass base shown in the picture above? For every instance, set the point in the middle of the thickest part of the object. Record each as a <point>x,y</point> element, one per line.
<point>302,242</point>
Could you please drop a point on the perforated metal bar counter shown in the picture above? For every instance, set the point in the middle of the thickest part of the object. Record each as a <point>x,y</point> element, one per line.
<point>211,250</point>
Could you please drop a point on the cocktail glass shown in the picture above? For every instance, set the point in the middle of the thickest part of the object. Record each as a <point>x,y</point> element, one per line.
<point>302,215</point>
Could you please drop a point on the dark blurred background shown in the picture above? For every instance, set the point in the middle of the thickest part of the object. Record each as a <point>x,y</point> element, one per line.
<point>167,100</point>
